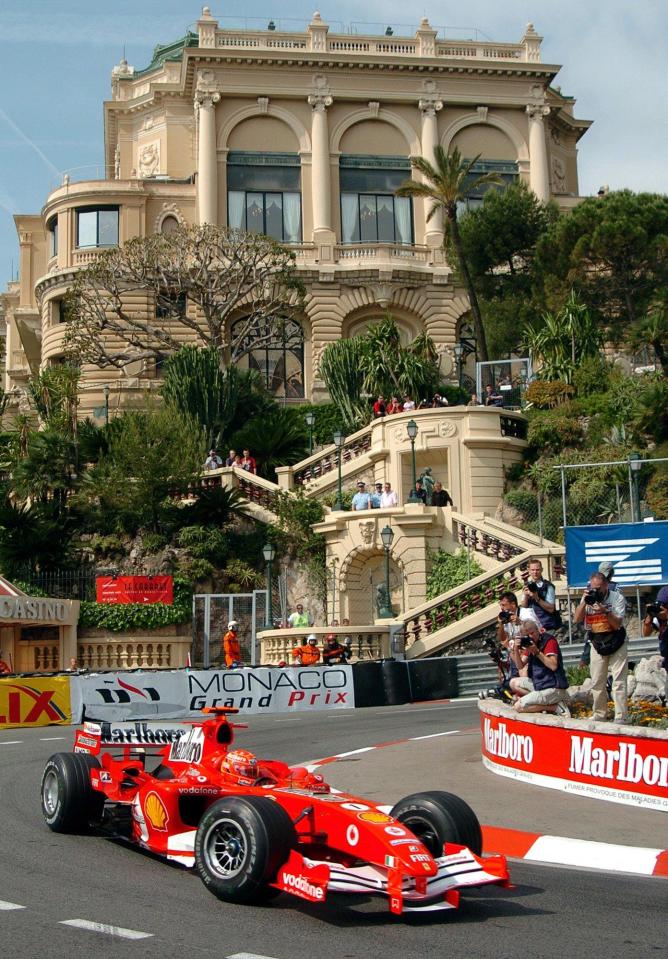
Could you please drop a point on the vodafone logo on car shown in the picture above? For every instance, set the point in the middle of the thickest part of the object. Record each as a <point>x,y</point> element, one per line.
<point>300,886</point>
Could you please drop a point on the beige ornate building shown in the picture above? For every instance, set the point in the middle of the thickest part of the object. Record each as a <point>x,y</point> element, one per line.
<point>304,136</point>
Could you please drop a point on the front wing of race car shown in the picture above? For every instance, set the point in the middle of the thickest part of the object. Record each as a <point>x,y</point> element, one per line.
<point>313,879</point>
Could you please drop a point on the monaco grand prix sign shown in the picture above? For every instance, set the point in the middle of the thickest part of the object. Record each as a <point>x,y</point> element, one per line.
<point>621,769</point>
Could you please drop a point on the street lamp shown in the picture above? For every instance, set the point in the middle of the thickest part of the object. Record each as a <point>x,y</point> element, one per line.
<point>105,390</point>
<point>634,468</point>
<point>412,430</point>
<point>339,440</point>
<point>269,552</point>
<point>459,355</point>
<point>386,611</point>
<point>310,422</point>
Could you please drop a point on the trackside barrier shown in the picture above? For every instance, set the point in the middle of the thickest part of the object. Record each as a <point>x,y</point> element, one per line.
<point>622,764</point>
<point>433,679</point>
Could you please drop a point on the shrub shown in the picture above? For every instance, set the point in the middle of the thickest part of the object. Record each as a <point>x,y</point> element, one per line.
<point>551,431</point>
<point>449,570</point>
<point>656,493</point>
<point>119,617</point>
<point>523,501</point>
<point>592,376</point>
<point>546,395</point>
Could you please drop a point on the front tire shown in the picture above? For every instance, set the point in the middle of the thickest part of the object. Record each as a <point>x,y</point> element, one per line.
<point>439,817</point>
<point>69,802</point>
<point>240,844</point>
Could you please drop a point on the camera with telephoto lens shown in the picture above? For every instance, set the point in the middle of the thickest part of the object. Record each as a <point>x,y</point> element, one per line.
<point>531,586</point>
<point>593,596</point>
<point>652,609</point>
<point>504,616</point>
<point>493,651</point>
<point>525,642</point>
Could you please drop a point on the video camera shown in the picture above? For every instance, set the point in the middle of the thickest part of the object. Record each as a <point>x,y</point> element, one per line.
<point>493,651</point>
<point>652,609</point>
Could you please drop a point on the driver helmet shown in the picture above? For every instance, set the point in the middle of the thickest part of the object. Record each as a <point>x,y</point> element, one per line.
<point>331,637</point>
<point>233,624</point>
<point>240,764</point>
<point>312,639</point>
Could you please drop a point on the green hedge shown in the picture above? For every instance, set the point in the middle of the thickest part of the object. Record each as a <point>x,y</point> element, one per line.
<point>119,617</point>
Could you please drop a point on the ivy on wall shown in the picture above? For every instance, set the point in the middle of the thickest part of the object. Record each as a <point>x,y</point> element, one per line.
<point>118,617</point>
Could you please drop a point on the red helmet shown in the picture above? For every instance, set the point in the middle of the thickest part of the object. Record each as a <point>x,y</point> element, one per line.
<point>240,764</point>
<point>331,637</point>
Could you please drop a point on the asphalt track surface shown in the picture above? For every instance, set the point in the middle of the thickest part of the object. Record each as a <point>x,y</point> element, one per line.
<point>68,896</point>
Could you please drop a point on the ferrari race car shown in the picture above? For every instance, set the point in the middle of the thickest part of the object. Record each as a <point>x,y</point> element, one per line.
<point>254,827</point>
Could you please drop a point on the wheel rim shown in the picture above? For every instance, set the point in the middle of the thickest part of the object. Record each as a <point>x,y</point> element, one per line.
<point>425,831</point>
<point>50,792</point>
<point>225,848</point>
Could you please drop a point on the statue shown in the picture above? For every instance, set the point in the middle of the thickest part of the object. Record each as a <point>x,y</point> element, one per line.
<point>427,481</point>
<point>383,603</point>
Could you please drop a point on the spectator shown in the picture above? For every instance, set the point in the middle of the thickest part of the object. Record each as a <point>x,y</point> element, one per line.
<point>602,610</point>
<point>231,458</point>
<point>510,618</point>
<point>539,596</point>
<point>379,408</point>
<point>4,668</point>
<point>361,499</point>
<point>388,498</point>
<point>656,617</point>
<point>492,396</point>
<point>440,496</point>
<point>308,653</point>
<point>231,647</point>
<point>474,401</point>
<point>420,492</point>
<point>544,689</point>
<point>427,482</point>
<point>74,666</point>
<point>213,461</point>
<point>438,400</point>
<point>299,619</point>
<point>394,406</point>
<point>237,461</point>
<point>345,622</point>
<point>409,404</point>
<point>376,496</point>
<point>607,569</point>
<point>334,653</point>
<point>248,462</point>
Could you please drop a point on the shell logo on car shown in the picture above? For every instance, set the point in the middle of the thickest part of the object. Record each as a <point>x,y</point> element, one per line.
<point>373,816</point>
<point>155,812</point>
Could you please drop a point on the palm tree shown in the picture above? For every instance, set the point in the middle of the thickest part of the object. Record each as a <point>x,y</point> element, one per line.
<point>448,182</point>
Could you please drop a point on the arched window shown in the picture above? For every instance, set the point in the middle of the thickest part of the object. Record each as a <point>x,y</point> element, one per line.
<point>169,225</point>
<point>276,350</point>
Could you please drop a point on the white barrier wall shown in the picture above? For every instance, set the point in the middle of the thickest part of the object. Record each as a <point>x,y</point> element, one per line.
<point>172,695</point>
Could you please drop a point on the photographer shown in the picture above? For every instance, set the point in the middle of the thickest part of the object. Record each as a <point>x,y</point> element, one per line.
<point>656,617</point>
<point>544,690</point>
<point>602,610</point>
<point>508,633</point>
<point>539,596</point>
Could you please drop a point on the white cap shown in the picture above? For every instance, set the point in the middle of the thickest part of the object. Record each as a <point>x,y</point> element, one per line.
<point>232,624</point>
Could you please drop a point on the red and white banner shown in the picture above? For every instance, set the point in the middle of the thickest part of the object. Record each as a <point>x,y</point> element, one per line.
<point>134,589</point>
<point>621,769</point>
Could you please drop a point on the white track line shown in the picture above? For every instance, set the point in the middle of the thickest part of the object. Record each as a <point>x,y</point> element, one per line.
<point>7,906</point>
<point>51,739</point>
<point>11,742</point>
<point>247,955</point>
<point>107,929</point>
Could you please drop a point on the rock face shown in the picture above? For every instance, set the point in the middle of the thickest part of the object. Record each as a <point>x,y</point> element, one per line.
<point>648,681</point>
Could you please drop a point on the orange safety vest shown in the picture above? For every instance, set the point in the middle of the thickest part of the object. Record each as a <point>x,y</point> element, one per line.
<point>231,648</point>
<point>309,655</point>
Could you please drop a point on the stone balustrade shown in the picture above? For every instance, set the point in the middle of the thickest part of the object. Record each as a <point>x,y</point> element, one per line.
<point>124,654</point>
<point>325,461</point>
<point>368,642</point>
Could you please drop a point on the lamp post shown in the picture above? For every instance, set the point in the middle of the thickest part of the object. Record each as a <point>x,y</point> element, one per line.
<point>310,422</point>
<point>386,535</point>
<point>339,440</point>
<point>634,468</point>
<point>412,430</point>
<point>459,355</point>
<point>105,390</point>
<point>269,552</point>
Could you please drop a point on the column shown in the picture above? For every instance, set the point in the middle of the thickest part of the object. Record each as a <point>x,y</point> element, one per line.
<point>321,187</point>
<point>539,177</point>
<point>207,167</point>
<point>429,107</point>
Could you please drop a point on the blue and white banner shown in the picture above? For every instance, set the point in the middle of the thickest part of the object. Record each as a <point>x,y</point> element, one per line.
<point>638,552</point>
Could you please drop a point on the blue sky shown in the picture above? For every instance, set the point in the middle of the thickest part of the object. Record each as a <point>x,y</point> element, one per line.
<point>58,54</point>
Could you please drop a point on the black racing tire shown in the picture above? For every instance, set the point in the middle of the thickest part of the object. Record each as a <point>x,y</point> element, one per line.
<point>439,817</point>
<point>240,844</point>
<point>69,802</point>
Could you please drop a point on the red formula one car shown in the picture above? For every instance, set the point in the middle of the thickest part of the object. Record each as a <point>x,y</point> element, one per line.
<point>251,827</point>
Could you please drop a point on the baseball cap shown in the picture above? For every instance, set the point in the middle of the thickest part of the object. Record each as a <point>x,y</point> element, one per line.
<point>361,483</point>
<point>607,569</point>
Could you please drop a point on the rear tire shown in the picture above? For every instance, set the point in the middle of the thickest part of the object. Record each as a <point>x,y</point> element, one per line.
<point>439,817</point>
<point>69,802</point>
<point>240,844</point>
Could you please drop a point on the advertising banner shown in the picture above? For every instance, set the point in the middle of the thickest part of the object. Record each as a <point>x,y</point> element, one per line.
<point>134,589</point>
<point>35,701</point>
<point>619,769</point>
<point>173,695</point>
<point>638,552</point>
